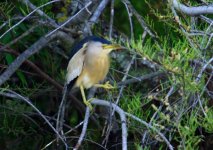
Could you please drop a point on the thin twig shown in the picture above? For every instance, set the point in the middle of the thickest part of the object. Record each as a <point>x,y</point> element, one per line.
<point>122,117</point>
<point>150,122</point>
<point>200,104</point>
<point>51,142</point>
<point>142,78</point>
<point>181,26</point>
<point>40,12</point>
<point>152,128</point>
<point>25,55</point>
<point>118,98</point>
<point>61,111</point>
<point>202,70</point>
<point>46,77</point>
<point>13,94</point>
<point>86,119</point>
<point>95,16</point>
<point>140,19</point>
<point>98,11</point>
<point>84,129</point>
<point>130,21</point>
<point>171,91</point>
<point>209,41</point>
<point>16,18</point>
<point>206,19</point>
<point>124,78</point>
<point>206,35</point>
<point>111,19</point>
<point>19,38</point>
<point>69,20</point>
<point>28,16</point>
<point>192,11</point>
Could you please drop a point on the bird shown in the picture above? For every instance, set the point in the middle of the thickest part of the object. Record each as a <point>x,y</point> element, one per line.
<point>89,64</point>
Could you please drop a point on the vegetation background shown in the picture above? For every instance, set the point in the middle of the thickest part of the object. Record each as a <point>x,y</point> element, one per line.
<point>164,82</point>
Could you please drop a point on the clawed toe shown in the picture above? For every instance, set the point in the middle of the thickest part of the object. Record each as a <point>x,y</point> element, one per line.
<point>107,85</point>
<point>88,103</point>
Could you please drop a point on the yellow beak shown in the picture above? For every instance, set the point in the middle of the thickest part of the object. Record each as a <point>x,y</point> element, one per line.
<point>112,47</point>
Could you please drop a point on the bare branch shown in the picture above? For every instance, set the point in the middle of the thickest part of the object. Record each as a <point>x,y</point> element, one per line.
<point>98,11</point>
<point>61,111</point>
<point>140,19</point>
<point>119,95</point>
<point>86,118</point>
<point>130,21</point>
<point>47,145</point>
<point>122,117</point>
<point>203,69</point>
<point>83,132</point>
<point>95,16</point>
<point>25,55</point>
<point>192,11</point>
<point>111,19</point>
<point>41,13</point>
<point>142,78</point>
<point>18,38</point>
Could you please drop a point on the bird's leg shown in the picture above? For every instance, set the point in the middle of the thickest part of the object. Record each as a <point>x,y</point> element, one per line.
<point>107,85</point>
<point>86,102</point>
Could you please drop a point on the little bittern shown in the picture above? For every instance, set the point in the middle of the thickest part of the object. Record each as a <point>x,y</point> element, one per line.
<point>89,64</point>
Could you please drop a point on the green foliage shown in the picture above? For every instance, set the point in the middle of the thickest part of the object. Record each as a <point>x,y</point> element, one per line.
<point>10,59</point>
<point>6,9</point>
<point>174,115</point>
<point>11,123</point>
<point>207,121</point>
<point>134,104</point>
<point>74,118</point>
<point>175,59</point>
<point>187,130</point>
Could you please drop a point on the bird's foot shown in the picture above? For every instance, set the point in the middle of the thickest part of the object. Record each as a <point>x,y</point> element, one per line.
<point>107,85</point>
<point>88,103</point>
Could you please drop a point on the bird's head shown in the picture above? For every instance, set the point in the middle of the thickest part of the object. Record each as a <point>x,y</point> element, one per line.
<point>97,45</point>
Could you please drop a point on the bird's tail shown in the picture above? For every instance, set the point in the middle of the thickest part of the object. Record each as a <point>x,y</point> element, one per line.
<point>70,85</point>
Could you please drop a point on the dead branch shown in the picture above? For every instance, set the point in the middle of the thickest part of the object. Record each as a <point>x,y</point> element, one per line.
<point>50,143</point>
<point>39,11</point>
<point>140,19</point>
<point>192,11</point>
<point>203,69</point>
<point>18,38</point>
<point>111,18</point>
<point>142,78</point>
<point>84,129</point>
<point>122,117</point>
<point>24,56</point>
<point>98,11</point>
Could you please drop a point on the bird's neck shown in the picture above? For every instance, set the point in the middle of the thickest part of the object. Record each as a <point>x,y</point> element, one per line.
<point>101,58</point>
